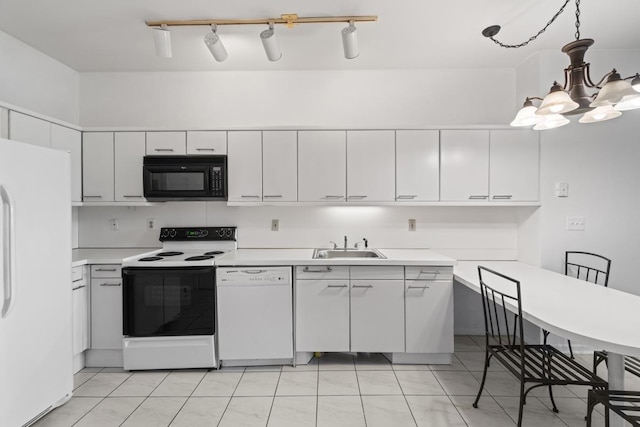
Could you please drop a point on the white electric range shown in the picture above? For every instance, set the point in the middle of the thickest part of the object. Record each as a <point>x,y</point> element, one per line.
<point>169,310</point>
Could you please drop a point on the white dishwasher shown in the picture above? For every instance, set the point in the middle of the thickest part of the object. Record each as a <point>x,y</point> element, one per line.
<point>255,315</point>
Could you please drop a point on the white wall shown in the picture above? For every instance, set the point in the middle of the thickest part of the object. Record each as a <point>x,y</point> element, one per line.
<point>263,99</point>
<point>35,82</point>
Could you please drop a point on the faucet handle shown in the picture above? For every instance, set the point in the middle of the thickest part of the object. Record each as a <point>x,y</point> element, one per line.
<point>366,243</point>
<point>335,246</point>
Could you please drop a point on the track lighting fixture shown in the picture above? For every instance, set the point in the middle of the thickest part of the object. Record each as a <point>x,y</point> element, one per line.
<point>270,44</point>
<point>162,41</point>
<point>268,37</point>
<point>615,94</point>
<point>350,41</point>
<point>215,45</point>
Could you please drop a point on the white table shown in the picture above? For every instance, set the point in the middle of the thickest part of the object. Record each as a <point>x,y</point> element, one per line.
<point>600,317</point>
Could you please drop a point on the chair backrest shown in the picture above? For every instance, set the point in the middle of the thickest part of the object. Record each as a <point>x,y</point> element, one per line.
<point>501,305</point>
<point>587,266</point>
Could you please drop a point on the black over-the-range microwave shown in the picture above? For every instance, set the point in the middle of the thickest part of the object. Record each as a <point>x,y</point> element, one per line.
<point>168,178</point>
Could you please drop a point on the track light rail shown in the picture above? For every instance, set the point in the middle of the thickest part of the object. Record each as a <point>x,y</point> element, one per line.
<point>289,20</point>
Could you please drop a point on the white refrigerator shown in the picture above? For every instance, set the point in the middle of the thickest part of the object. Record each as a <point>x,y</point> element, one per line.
<point>36,360</point>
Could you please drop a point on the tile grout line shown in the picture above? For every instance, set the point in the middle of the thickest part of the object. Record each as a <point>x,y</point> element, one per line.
<point>188,397</point>
<point>447,394</point>
<point>274,396</point>
<point>143,400</point>
<point>364,414</point>
<point>405,397</point>
<point>317,391</point>
<point>231,397</point>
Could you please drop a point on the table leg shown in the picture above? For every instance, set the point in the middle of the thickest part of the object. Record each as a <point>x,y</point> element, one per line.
<point>615,366</point>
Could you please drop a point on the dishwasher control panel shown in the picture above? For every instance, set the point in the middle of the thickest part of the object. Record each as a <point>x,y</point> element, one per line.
<point>254,276</point>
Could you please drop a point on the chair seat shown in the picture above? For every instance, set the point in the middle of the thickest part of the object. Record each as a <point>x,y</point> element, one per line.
<point>631,364</point>
<point>546,365</point>
<point>624,403</point>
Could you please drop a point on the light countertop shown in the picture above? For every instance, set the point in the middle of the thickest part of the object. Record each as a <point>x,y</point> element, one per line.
<point>84,256</point>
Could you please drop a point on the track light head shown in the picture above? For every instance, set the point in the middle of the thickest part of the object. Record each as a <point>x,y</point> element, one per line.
<point>162,41</point>
<point>215,45</point>
<point>270,43</point>
<point>350,41</point>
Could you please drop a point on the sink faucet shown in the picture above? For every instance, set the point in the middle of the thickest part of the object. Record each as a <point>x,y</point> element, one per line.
<point>365,241</point>
<point>345,243</point>
<point>334,244</point>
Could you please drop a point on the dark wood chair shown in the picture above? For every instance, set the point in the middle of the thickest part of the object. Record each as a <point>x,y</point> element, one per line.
<point>534,365</point>
<point>585,266</point>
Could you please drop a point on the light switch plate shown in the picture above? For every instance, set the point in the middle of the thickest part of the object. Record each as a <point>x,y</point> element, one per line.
<point>575,223</point>
<point>275,225</point>
<point>114,224</point>
<point>562,189</point>
<point>412,225</point>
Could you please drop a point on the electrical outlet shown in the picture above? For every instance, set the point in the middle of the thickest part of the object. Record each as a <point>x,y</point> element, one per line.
<point>412,225</point>
<point>113,224</point>
<point>562,189</point>
<point>275,225</point>
<point>575,223</point>
<point>151,224</point>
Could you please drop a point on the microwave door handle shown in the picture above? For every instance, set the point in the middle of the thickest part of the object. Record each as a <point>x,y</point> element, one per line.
<point>8,252</point>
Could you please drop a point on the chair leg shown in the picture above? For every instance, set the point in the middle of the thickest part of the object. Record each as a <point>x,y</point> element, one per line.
<point>484,377</point>
<point>522,402</point>
<point>591,403</point>
<point>570,349</point>
<point>545,335</point>
<point>553,402</point>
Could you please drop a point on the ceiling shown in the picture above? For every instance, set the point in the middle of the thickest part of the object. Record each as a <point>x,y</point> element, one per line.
<point>111,35</point>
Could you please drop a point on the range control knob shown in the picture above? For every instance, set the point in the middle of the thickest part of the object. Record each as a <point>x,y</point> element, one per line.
<point>221,232</point>
<point>229,232</point>
<point>204,233</point>
<point>172,233</point>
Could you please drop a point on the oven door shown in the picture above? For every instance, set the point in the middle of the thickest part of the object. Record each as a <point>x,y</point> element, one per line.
<point>168,301</point>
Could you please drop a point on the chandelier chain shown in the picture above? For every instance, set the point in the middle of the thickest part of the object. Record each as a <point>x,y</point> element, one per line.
<point>577,19</point>
<point>551,21</point>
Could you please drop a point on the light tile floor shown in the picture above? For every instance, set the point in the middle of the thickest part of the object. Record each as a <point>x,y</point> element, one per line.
<point>333,390</point>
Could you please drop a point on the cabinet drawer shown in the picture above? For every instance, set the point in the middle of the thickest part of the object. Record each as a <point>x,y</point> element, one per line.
<point>429,273</point>
<point>76,274</point>
<point>377,273</point>
<point>315,272</point>
<point>106,270</point>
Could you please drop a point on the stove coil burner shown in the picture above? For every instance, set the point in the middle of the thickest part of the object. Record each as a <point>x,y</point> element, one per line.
<point>150,258</point>
<point>170,253</point>
<point>198,258</point>
<point>214,253</point>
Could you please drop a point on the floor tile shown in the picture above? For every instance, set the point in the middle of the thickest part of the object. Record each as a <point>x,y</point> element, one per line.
<point>298,384</point>
<point>179,384</point>
<point>573,410</point>
<point>480,340</point>
<point>534,412</point>
<point>488,413</point>
<point>115,371</point>
<point>81,378</point>
<point>464,343</point>
<point>155,412</point>
<point>112,411</point>
<point>474,361</point>
<point>91,370</point>
<point>499,383</point>
<point>293,411</point>
<point>403,367</point>
<point>100,385</point>
<point>247,412</point>
<point>372,362</point>
<point>378,382</point>
<point>340,411</point>
<point>140,384</point>
<point>268,368</point>
<point>419,383</point>
<point>455,365</point>
<point>434,411</point>
<point>336,362</point>
<point>457,383</point>
<point>201,411</point>
<point>558,391</point>
<point>69,413</point>
<point>218,384</point>
<point>257,384</point>
<point>385,411</point>
<point>311,366</point>
<point>333,383</point>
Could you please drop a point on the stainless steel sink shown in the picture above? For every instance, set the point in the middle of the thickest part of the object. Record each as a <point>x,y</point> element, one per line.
<point>346,253</point>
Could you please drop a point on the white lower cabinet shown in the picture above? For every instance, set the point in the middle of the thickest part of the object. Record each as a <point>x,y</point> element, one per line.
<point>429,316</point>
<point>106,308</point>
<point>79,315</point>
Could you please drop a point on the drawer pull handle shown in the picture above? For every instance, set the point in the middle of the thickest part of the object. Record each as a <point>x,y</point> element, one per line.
<point>417,287</point>
<point>205,149</point>
<point>324,270</point>
<point>250,197</point>
<point>362,286</point>
<point>77,280</point>
<point>336,286</point>
<point>333,197</point>
<point>274,197</point>
<point>105,269</point>
<point>406,197</point>
<point>357,197</point>
<point>164,149</point>
<point>478,197</point>
<point>80,287</point>
<point>502,197</point>
<point>109,284</point>
<point>133,197</point>
<point>92,197</point>
<point>435,273</point>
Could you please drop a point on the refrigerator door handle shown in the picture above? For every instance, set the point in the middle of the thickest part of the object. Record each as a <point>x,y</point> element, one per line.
<point>8,252</point>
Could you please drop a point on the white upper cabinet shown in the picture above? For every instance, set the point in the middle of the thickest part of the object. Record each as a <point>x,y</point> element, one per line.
<point>371,166</point>
<point>70,140</point>
<point>514,160</point>
<point>245,166</point>
<point>464,163</point>
<point>166,143</point>
<point>129,151</point>
<point>28,129</point>
<point>207,143</point>
<point>97,172</point>
<point>280,166</point>
<point>321,166</point>
<point>417,165</point>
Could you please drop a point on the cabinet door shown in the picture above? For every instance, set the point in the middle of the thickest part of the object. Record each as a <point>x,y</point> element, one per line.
<point>128,154</point>
<point>70,140</point>
<point>245,166</point>
<point>417,165</point>
<point>97,170</point>
<point>464,163</point>
<point>514,161</point>
<point>166,143</point>
<point>80,319</point>
<point>322,162</point>
<point>28,129</point>
<point>377,315</point>
<point>207,142</point>
<point>429,317</point>
<point>106,314</point>
<point>371,166</point>
<point>280,166</point>
<point>322,315</point>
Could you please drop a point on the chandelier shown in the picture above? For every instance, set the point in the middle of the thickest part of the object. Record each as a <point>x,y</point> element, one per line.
<point>613,96</point>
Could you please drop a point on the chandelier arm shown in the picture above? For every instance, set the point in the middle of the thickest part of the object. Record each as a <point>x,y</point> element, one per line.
<point>567,78</point>
<point>602,81</point>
